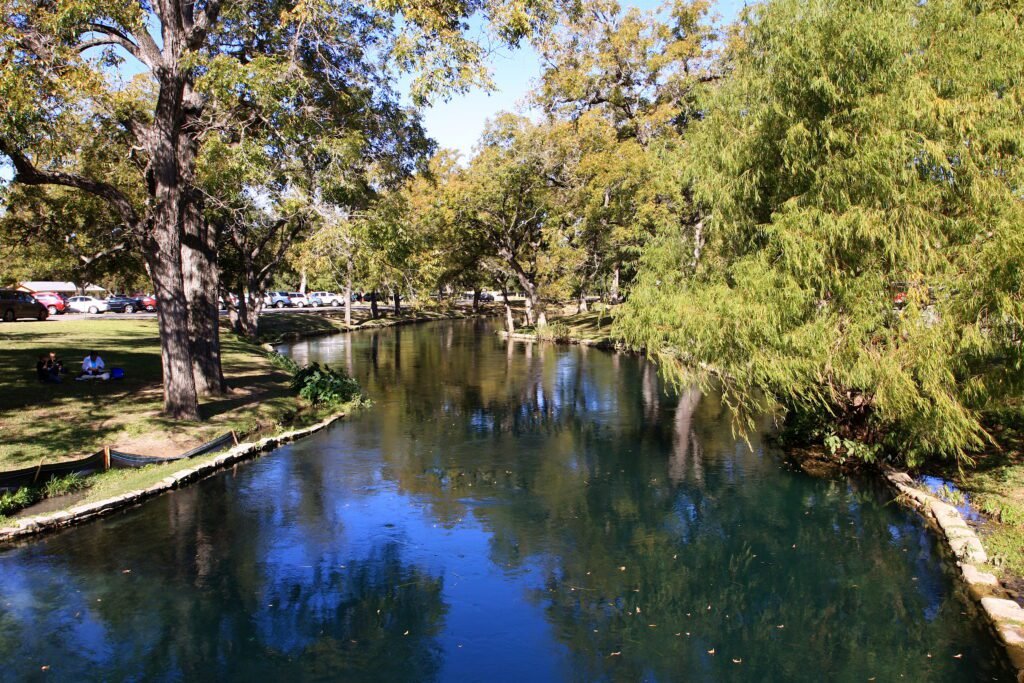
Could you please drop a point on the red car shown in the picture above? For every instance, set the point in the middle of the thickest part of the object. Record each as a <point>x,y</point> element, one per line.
<point>53,301</point>
<point>148,300</point>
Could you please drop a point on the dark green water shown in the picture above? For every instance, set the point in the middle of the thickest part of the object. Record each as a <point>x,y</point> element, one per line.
<point>501,514</point>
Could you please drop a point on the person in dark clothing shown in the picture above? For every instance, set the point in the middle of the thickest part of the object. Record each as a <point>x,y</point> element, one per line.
<point>48,368</point>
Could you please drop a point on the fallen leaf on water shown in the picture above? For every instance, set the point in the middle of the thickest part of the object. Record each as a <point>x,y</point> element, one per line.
<point>615,654</point>
<point>622,569</point>
<point>781,626</point>
<point>638,610</point>
<point>45,667</point>
<point>406,633</point>
<point>126,571</point>
<point>711,651</point>
<point>957,656</point>
<point>652,625</point>
<point>737,661</point>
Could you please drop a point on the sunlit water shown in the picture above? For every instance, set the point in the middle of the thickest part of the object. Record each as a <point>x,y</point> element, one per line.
<point>502,513</point>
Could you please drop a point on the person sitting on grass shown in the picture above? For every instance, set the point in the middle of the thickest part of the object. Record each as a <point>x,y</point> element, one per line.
<point>46,370</point>
<point>93,367</point>
<point>56,364</point>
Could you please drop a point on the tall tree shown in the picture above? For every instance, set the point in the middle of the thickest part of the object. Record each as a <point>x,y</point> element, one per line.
<point>58,79</point>
<point>861,174</point>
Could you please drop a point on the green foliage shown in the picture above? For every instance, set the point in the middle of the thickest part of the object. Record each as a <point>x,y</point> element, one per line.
<point>13,501</point>
<point>283,362</point>
<point>325,385</point>
<point>556,331</point>
<point>854,153</point>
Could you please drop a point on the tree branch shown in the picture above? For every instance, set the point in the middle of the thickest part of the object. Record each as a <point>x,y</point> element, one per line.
<point>27,174</point>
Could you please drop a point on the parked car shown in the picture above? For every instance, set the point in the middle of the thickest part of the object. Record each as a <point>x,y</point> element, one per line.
<point>486,296</point>
<point>148,300</point>
<point>53,301</point>
<point>87,304</point>
<point>325,299</point>
<point>299,299</point>
<point>120,303</point>
<point>14,305</point>
<point>277,299</point>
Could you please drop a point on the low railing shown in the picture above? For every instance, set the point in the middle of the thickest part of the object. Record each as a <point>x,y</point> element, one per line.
<point>101,461</point>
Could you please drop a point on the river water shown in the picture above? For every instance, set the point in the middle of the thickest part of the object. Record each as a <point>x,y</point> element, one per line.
<point>503,512</point>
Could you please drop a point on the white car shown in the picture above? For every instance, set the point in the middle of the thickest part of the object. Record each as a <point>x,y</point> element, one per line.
<point>325,299</point>
<point>87,304</point>
<point>298,299</point>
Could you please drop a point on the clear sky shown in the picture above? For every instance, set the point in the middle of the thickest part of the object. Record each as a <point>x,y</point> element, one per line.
<point>457,123</point>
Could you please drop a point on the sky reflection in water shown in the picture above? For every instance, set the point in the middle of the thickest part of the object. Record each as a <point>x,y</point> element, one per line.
<point>503,512</point>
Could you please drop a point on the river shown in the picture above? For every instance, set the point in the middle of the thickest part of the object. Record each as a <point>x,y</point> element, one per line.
<point>503,512</point>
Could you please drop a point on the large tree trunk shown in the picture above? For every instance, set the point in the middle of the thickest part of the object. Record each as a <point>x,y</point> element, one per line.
<point>614,293</point>
<point>164,255</point>
<point>373,305</point>
<point>199,267</point>
<point>534,305</point>
<point>510,321</point>
<point>168,188</point>
<point>476,299</point>
<point>581,304</point>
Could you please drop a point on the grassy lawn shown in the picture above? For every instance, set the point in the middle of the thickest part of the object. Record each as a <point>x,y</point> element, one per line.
<point>53,422</point>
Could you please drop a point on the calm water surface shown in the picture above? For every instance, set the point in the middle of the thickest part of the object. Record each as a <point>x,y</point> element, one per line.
<point>502,513</point>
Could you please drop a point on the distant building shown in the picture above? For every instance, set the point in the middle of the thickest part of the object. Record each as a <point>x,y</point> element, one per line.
<point>46,286</point>
<point>67,288</point>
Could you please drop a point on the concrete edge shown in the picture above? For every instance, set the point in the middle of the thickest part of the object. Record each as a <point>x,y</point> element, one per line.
<point>1005,616</point>
<point>38,524</point>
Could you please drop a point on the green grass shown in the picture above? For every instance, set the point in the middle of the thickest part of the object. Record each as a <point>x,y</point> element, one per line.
<point>53,422</point>
<point>593,326</point>
<point>996,487</point>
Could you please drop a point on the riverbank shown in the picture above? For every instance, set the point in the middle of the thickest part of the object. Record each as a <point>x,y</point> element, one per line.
<point>42,422</point>
<point>286,327</point>
<point>118,489</point>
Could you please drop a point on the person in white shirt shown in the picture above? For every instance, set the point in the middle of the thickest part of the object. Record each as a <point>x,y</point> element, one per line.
<point>93,366</point>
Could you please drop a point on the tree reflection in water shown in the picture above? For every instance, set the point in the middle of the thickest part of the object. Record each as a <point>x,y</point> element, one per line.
<point>553,510</point>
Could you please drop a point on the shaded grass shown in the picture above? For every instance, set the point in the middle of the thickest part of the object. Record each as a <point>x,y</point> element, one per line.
<point>53,422</point>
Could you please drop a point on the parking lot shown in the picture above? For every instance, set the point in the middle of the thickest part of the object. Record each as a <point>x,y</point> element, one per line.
<point>142,314</point>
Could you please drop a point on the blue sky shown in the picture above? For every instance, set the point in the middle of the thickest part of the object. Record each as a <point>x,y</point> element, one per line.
<point>457,123</point>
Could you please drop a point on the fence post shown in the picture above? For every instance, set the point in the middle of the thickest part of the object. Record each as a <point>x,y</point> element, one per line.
<point>234,437</point>
<point>106,458</point>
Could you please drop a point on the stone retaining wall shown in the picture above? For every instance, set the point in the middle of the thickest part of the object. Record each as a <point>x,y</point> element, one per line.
<point>1005,615</point>
<point>38,524</point>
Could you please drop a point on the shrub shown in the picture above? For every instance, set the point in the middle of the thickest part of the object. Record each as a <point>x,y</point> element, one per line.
<point>324,385</point>
<point>556,331</point>
<point>279,360</point>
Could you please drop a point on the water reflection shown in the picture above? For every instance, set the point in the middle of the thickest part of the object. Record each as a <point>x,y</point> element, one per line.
<point>503,512</point>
